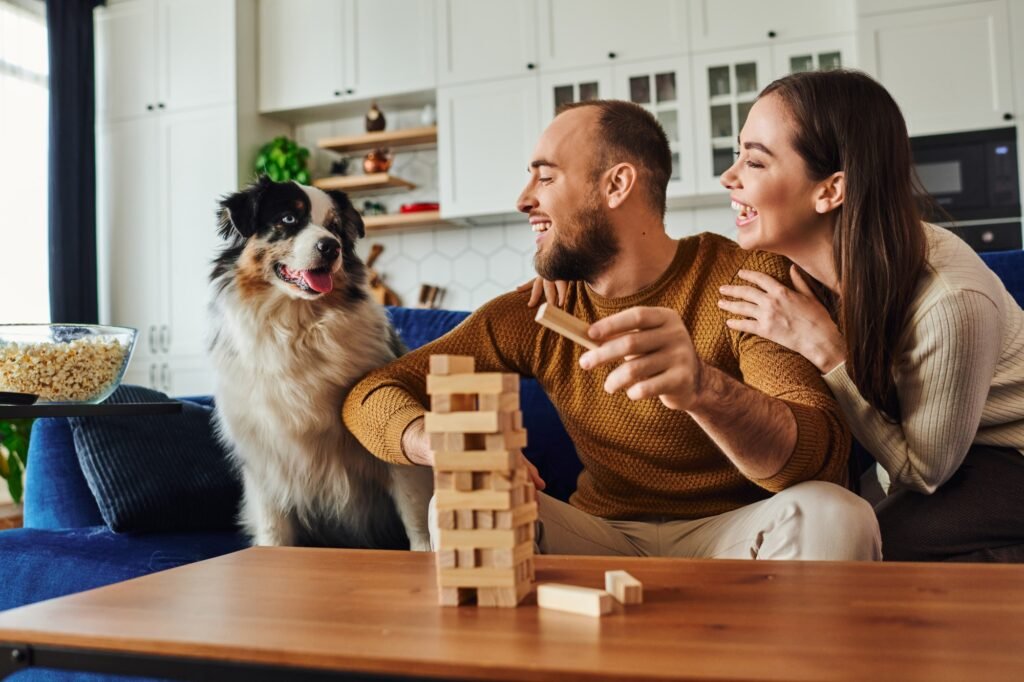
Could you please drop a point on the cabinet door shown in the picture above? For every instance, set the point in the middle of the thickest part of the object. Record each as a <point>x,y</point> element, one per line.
<point>725,87</point>
<point>392,47</point>
<point>126,56</point>
<point>814,55</point>
<point>300,53</point>
<point>567,87</point>
<point>663,88</point>
<point>482,39</point>
<point>131,213</point>
<point>142,373</point>
<point>577,33</point>
<point>194,184</point>
<point>186,377</point>
<point>485,135</point>
<point>715,25</point>
<point>947,68</point>
<point>197,53</point>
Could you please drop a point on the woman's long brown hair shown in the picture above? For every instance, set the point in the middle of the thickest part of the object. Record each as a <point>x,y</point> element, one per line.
<point>846,121</point>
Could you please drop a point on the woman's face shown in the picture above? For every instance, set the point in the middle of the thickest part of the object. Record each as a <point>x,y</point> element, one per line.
<point>770,188</point>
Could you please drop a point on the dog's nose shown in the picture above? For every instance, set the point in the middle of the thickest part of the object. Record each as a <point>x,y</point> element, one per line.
<point>328,248</point>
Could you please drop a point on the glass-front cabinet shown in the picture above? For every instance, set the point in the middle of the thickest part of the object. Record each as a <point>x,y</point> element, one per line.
<point>569,87</point>
<point>814,55</point>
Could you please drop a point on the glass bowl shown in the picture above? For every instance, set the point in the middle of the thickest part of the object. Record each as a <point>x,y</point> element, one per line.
<point>64,363</point>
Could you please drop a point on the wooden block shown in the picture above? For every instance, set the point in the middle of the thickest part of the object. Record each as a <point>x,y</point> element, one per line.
<point>465,558</point>
<point>444,480</point>
<point>457,442</point>
<point>475,460</point>
<point>446,558</point>
<point>465,519</point>
<point>508,440</point>
<point>463,480</point>
<point>475,537</point>
<point>504,557</point>
<point>574,599</point>
<point>445,519</point>
<point>476,499</point>
<point>476,577</point>
<point>482,383</point>
<point>499,402</point>
<point>561,322</point>
<point>443,404</point>
<point>454,596</point>
<point>507,597</point>
<point>483,520</point>
<point>516,517</point>
<point>463,422</point>
<point>624,587</point>
<point>452,364</point>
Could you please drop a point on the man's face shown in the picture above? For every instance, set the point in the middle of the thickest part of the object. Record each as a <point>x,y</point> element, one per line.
<point>565,202</point>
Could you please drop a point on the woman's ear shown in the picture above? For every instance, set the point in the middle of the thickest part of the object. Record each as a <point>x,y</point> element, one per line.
<point>830,193</point>
<point>621,181</point>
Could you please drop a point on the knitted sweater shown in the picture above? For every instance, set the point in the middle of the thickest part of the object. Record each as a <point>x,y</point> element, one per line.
<point>640,459</point>
<point>959,372</point>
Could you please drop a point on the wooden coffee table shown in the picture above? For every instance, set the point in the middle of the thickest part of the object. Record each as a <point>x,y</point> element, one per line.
<point>293,614</point>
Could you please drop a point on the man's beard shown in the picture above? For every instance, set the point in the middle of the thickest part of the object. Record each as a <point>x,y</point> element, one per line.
<point>594,251</point>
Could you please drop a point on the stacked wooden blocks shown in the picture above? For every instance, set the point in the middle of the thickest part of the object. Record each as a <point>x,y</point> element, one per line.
<point>486,502</point>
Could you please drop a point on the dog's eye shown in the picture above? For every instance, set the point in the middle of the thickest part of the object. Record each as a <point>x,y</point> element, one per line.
<point>288,219</point>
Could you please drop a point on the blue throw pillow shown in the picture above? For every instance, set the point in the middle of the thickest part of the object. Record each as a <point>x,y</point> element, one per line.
<point>157,473</point>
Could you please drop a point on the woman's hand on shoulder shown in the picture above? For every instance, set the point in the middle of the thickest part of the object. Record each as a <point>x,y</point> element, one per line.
<point>793,318</point>
<point>552,292</point>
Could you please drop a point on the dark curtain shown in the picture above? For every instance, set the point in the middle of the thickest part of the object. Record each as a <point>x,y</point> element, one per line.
<point>72,186</point>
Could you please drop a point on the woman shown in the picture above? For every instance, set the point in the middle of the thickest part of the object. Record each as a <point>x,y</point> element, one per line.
<point>919,341</point>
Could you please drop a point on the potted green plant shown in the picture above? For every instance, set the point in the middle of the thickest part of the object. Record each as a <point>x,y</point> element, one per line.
<point>14,453</point>
<point>283,159</point>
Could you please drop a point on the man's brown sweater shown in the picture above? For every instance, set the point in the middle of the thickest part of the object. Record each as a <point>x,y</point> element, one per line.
<point>640,459</point>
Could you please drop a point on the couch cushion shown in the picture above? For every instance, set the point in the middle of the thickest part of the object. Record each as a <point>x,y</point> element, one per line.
<point>56,494</point>
<point>1009,265</point>
<point>153,473</point>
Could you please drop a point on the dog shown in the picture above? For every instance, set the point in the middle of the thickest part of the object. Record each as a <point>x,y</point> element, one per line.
<point>293,329</point>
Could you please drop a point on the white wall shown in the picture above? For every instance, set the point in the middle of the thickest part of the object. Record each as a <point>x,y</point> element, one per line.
<point>474,263</point>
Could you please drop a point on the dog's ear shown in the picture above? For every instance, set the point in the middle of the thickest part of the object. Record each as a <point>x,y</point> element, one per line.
<point>347,213</point>
<point>240,211</point>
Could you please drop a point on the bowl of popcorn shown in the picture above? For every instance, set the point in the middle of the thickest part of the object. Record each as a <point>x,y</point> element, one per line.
<point>64,363</point>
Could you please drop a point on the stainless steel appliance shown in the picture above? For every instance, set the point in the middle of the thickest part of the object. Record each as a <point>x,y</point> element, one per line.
<point>974,178</point>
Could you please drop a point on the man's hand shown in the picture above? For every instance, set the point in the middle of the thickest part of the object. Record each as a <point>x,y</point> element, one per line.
<point>790,317</point>
<point>552,292</point>
<point>657,354</point>
<point>416,446</point>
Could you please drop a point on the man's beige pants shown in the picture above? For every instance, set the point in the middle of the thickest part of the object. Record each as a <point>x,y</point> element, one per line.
<point>811,520</point>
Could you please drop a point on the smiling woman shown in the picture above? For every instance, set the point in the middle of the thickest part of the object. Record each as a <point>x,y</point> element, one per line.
<point>24,121</point>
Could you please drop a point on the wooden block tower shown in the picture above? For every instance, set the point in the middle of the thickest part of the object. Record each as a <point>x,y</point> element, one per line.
<point>486,502</point>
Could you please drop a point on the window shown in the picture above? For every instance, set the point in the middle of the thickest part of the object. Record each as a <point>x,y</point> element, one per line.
<point>24,139</point>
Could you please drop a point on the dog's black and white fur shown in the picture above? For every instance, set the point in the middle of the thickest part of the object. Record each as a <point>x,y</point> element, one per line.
<point>293,329</point>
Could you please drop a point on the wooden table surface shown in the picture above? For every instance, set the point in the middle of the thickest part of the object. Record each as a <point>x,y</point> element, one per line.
<point>377,612</point>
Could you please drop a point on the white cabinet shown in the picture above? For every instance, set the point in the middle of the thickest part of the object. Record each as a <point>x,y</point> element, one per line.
<point>318,52</point>
<point>948,68</point>
<point>814,55</point>
<point>486,133</point>
<point>576,85</point>
<point>483,39</point>
<point>577,33</point>
<point>162,55</point>
<point>883,6</point>
<point>718,24</point>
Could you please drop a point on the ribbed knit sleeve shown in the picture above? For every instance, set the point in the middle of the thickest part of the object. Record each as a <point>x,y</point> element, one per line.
<point>943,380</point>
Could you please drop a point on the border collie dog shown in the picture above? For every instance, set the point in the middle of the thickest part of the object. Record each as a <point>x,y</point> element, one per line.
<point>293,330</point>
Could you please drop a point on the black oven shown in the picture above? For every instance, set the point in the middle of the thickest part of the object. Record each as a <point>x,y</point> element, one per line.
<point>974,179</point>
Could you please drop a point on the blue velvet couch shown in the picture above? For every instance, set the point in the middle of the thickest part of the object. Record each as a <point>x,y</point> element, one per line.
<point>65,546</point>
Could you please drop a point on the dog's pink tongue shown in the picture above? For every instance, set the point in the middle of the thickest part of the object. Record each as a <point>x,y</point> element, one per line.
<point>318,281</point>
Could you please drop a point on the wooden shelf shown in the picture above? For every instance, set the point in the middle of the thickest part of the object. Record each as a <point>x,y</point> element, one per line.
<point>395,221</point>
<point>410,137</point>
<point>373,182</point>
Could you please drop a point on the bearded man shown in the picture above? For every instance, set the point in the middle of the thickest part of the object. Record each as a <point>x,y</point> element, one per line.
<point>696,440</point>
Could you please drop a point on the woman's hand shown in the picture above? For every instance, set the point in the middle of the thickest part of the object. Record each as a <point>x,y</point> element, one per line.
<point>553,292</point>
<point>791,318</point>
<point>657,353</point>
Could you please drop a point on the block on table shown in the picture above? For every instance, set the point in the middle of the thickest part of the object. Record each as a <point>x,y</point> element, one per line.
<point>624,587</point>
<point>574,599</point>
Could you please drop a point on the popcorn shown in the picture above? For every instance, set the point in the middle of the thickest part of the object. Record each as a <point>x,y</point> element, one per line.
<point>78,370</point>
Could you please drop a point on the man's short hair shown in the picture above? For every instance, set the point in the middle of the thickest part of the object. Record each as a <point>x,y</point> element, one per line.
<point>628,132</point>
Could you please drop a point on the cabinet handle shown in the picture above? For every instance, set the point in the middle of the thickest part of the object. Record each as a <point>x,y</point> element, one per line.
<point>612,55</point>
<point>152,376</point>
<point>165,338</point>
<point>149,107</point>
<point>337,93</point>
<point>165,383</point>
<point>160,105</point>
<point>772,34</point>
<point>1007,116</point>
<point>152,339</point>
<point>531,66</point>
<point>350,91</point>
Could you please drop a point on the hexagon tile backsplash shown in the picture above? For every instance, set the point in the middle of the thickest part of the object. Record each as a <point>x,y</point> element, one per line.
<point>471,264</point>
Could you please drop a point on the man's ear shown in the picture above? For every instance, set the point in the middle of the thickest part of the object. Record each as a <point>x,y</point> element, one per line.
<point>350,219</point>
<point>619,183</point>
<point>830,193</point>
<point>240,211</point>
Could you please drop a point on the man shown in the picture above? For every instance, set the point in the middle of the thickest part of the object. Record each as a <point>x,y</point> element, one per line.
<point>685,428</point>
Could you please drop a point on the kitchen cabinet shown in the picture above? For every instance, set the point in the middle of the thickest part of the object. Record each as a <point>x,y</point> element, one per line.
<point>486,133</point>
<point>484,39</point>
<point>865,7</point>
<point>948,68</point>
<point>578,33</point>
<point>833,52</point>
<point>716,25</point>
<point>162,55</point>
<point>319,52</point>
<point>576,85</point>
